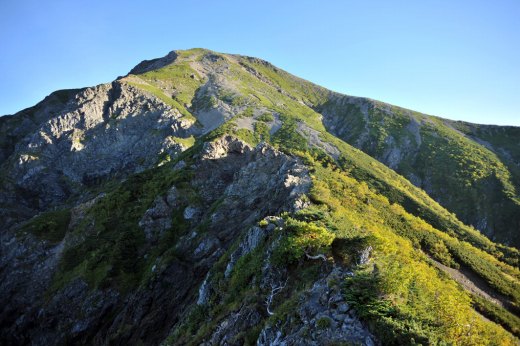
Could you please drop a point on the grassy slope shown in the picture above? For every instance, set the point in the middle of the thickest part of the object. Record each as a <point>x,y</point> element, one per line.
<point>478,184</point>
<point>396,187</point>
<point>456,236</point>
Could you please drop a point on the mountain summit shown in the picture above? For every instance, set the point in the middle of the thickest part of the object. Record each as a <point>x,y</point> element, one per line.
<point>209,198</point>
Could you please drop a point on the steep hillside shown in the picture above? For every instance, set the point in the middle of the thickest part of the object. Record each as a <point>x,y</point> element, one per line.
<point>208,198</point>
<point>455,163</point>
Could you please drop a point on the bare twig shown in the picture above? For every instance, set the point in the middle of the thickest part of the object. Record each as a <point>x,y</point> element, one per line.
<point>274,291</point>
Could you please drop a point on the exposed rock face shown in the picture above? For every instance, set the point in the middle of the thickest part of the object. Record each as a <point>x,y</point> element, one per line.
<point>154,64</point>
<point>253,238</point>
<point>157,219</point>
<point>26,268</point>
<point>322,318</point>
<point>224,170</point>
<point>236,323</point>
<point>111,130</point>
<point>266,180</point>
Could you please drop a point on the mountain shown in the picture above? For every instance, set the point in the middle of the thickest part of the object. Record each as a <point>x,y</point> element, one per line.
<point>209,198</point>
<point>471,170</point>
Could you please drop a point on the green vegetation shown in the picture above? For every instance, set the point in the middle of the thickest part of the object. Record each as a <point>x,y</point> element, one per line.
<point>232,294</point>
<point>323,323</point>
<point>262,131</point>
<point>248,113</point>
<point>362,167</point>
<point>204,102</point>
<point>497,314</point>
<point>457,171</point>
<point>340,217</point>
<point>266,117</point>
<point>178,76</point>
<point>288,138</point>
<point>187,142</point>
<point>423,235</point>
<point>301,238</point>
<point>263,223</point>
<point>416,202</point>
<point>440,252</point>
<point>51,226</point>
<point>108,254</point>
<point>398,293</point>
<point>281,80</point>
<point>233,98</point>
<point>246,268</point>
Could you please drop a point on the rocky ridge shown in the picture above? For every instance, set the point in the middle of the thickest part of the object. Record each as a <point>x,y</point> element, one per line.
<point>193,202</point>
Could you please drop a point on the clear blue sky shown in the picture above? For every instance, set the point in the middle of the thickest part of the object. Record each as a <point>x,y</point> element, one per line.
<point>456,59</point>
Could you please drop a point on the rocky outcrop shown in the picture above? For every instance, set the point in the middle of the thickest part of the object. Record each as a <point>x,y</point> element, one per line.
<point>158,219</point>
<point>224,172</point>
<point>154,64</point>
<point>320,315</point>
<point>257,182</point>
<point>26,269</point>
<point>321,318</point>
<point>104,132</point>
<point>226,331</point>
<point>252,239</point>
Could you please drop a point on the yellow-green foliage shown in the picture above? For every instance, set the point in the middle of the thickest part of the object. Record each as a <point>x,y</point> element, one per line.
<point>442,158</point>
<point>503,317</point>
<point>441,253</point>
<point>185,142</point>
<point>263,223</point>
<point>280,79</point>
<point>300,238</point>
<point>179,76</point>
<point>358,202</point>
<point>399,293</point>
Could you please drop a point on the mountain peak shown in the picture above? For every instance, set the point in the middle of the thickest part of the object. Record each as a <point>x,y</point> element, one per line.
<point>153,64</point>
<point>158,63</point>
<point>210,198</point>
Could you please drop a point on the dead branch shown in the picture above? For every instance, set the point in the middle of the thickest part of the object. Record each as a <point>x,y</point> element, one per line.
<point>274,291</point>
<point>322,256</point>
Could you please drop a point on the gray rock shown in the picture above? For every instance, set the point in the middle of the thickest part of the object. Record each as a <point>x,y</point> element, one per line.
<point>98,134</point>
<point>343,308</point>
<point>156,220</point>
<point>172,197</point>
<point>238,321</point>
<point>204,292</point>
<point>270,227</point>
<point>206,247</point>
<point>179,165</point>
<point>364,255</point>
<point>315,305</point>
<point>190,212</point>
<point>250,183</point>
<point>254,236</point>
